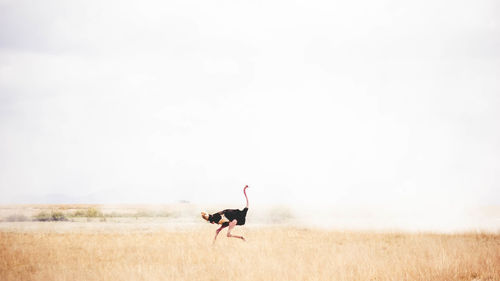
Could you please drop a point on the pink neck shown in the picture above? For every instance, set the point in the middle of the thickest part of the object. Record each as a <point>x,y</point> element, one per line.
<point>245,192</point>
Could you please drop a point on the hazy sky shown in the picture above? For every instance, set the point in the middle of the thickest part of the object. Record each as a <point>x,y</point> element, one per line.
<point>319,102</point>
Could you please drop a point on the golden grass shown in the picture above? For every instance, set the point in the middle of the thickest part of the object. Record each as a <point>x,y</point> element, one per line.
<point>269,254</point>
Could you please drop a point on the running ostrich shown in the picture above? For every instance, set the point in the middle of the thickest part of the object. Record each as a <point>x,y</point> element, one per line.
<point>228,217</point>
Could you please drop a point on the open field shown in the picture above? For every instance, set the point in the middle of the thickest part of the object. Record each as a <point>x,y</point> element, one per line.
<point>269,254</point>
<point>139,242</point>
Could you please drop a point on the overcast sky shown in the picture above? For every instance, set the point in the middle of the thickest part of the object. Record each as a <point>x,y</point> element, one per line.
<point>319,102</point>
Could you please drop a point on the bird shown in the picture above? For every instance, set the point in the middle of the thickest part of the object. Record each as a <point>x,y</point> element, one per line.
<point>228,218</point>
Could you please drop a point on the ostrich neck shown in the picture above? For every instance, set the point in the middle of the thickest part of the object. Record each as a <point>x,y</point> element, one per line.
<point>246,197</point>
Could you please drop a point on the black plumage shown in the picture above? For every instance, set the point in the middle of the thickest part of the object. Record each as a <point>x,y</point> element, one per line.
<point>235,214</point>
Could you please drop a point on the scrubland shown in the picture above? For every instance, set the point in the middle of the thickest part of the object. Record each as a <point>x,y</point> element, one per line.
<point>106,250</point>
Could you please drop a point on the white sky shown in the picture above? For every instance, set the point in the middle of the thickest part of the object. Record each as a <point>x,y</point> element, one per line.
<point>322,103</point>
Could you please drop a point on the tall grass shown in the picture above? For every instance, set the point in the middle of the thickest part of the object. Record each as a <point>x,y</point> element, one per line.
<point>268,254</point>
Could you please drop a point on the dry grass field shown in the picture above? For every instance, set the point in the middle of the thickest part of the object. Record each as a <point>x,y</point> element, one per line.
<point>171,242</point>
<point>270,253</point>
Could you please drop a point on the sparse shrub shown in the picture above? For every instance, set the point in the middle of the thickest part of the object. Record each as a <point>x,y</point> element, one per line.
<point>140,214</point>
<point>96,213</point>
<point>52,216</point>
<point>93,213</point>
<point>79,213</point>
<point>58,216</point>
<point>42,216</point>
<point>88,213</point>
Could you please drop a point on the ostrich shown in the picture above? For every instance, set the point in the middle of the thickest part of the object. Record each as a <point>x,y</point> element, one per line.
<point>228,217</point>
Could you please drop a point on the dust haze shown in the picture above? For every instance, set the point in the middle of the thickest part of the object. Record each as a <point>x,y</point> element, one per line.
<point>338,114</point>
